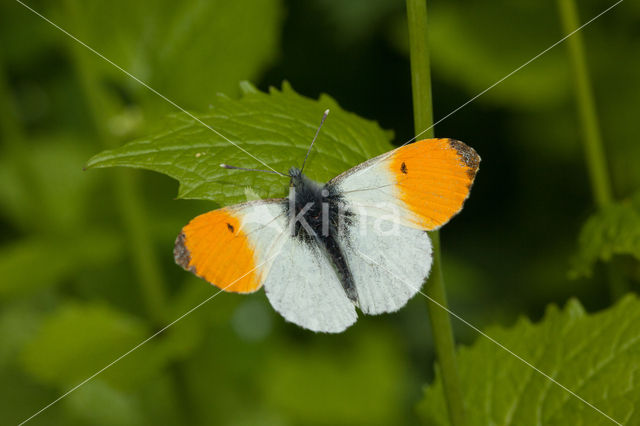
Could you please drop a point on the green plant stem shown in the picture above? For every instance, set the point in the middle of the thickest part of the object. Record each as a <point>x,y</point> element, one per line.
<point>125,186</point>
<point>129,204</point>
<point>592,137</point>
<point>10,130</point>
<point>14,139</point>
<point>594,151</point>
<point>128,199</point>
<point>435,288</point>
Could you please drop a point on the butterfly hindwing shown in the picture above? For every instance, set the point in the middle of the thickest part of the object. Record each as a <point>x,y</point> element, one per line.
<point>389,262</point>
<point>303,287</point>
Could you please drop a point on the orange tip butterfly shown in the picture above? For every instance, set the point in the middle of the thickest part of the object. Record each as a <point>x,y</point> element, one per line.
<point>358,241</point>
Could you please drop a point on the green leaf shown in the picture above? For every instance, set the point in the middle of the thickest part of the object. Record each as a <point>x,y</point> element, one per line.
<point>19,322</point>
<point>476,44</point>
<point>276,127</point>
<point>368,369</point>
<point>54,162</point>
<point>35,263</point>
<point>596,356</point>
<point>28,51</point>
<point>186,50</point>
<point>97,403</point>
<point>77,340</point>
<point>21,397</point>
<point>614,230</point>
<point>353,21</point>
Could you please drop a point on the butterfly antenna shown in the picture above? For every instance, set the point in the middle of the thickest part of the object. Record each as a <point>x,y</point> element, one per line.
<point>324,117</point>
<point>226,166</point>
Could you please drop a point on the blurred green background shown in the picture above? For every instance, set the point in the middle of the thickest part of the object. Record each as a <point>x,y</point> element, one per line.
<point>86,264</point>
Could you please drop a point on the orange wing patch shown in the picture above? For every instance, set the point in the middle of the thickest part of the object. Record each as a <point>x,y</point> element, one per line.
<point>213,247</point>
<point>434,178</point>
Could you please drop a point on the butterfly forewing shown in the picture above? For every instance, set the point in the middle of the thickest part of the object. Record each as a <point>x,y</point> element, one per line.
<point>421,185</point>
<point>233,247</point>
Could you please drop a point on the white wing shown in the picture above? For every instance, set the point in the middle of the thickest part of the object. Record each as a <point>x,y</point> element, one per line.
<point>389,262</point>
<point>303,287</point>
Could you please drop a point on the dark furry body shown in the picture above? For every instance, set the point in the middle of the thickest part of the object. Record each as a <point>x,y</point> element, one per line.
<point>327,218</point>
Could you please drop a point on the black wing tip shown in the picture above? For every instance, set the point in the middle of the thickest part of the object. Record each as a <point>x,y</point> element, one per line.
<point>468,155</point>
<point>181,253</point>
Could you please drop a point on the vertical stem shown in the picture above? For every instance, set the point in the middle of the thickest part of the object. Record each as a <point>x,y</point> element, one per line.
<point>596,160</point>
<point>10,130</point>
<point>14,139</point>
<point>101,108</point>
<point>128,200</point>
<point>592,137</point>
<point>435,288</point>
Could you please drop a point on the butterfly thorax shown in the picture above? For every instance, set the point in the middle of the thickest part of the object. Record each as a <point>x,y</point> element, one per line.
<point>314,204</point>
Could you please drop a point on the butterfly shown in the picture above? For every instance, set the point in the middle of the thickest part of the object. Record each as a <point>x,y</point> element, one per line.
<point>358,241</point>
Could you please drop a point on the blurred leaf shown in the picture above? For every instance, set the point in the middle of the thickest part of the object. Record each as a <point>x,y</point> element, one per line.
<point>159,401</point>
<point>355,20</point>
<point>357,384</point>
<point>617,96</point>
<point>186,50</point>
<point>178,342</point>
<point>613,230</point>
<point>76,341</point>
<point>276,128</point>
<point>596,356</point>
<point>18,324</point>
<point>475,44</point>
<point>58,181</point>
<point>97,403</point>
<point>35,263</point>
<point>21,397</point>
<point>252,320</point>
<point>24,51</point>
<point>184,337</point>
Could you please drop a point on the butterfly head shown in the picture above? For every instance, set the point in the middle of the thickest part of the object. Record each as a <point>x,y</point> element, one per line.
<point>295,172</point>
<point>296,176</point>
<point>304,186</point>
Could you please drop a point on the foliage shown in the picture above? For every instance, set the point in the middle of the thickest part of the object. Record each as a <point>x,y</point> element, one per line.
<point>275,128</point>
<point>595,356</point>
<point>615,230</point>
<point>157,43</point>
<point>68,264</point>
<point>79,338</point>
<point>460,41</point>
